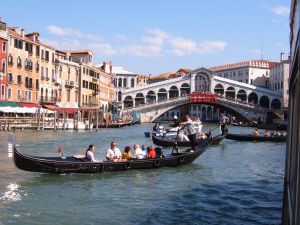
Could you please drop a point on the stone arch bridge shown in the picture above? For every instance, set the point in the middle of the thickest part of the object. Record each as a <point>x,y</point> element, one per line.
<point>246,101</point>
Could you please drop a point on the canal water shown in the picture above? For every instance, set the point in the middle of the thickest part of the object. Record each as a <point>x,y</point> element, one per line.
<point>232,183</point>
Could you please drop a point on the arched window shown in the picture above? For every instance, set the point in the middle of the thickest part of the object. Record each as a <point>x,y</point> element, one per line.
<point>132,82</point>
<point>3,66</point>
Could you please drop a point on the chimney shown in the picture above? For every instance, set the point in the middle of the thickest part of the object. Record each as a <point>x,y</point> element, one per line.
<point>22,32</point>
<point>281,56</point>
<point>110,67</point>
<point>104,67</point>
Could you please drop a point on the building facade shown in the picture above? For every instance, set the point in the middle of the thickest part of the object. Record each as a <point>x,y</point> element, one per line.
<point>48,89</point>
<point>3,60</point>
<point>279,79</point>
<point>107,87</point>
<point>66,79</point>
<point>254,72</point>
<point>22,73</point>
<point>291,198</point>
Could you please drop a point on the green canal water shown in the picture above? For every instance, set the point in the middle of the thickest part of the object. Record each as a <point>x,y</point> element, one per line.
<point>232,183</point>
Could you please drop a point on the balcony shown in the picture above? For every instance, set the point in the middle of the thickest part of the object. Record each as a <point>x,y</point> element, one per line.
<point>48,99</point>
<point>10,63</point>
<point>30,86</point>
<point>70,83</point>
<point>19,65</point>
<point>96,92</point>
<point>90,105</point>
<point>47,78</point>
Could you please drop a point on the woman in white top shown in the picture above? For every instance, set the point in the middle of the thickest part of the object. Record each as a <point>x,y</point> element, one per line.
<point>89,154</point>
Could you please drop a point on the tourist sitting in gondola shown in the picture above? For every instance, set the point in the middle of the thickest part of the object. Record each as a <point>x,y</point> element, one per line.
<point>267,133</point>
<point>113,153</point>
<point>89,154</point>
<point>126,154</point>
<point>151,152</point>
<point>144,149</point>
<point>255,132</point>
<point>138,153</point>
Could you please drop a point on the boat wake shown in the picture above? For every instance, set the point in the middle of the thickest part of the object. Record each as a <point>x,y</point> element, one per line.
<point>13,193</point>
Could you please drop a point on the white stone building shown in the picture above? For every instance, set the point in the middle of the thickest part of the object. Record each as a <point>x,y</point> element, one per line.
<point>279,79</point>
<point>254,72</point>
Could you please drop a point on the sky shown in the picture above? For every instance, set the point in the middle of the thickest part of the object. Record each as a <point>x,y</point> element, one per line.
<point>159,36</point>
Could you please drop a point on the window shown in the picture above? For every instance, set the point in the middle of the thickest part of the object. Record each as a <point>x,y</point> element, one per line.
<point>42,73</point>
<point>28,48</point>
<point>29,95</point>
<point>9,93</point>
<point>18,44</point>
<point>10,60</point>
<point>47,73</point>
<point>68,95</point>
<point>43,57</point>
<point>281,84</point>
<point>19,94</point>
<point>53,59</point>
<point>19,62</point>
<point>251,81</point>
<point>37,84</point>
<point>19,79</point>
<point>47,56</point>
<point>4,47</point>
<point>3,66</point>
<point>37,66</point>
<point>37,51</point>
<point>10,78</point>
<point>2,91</point>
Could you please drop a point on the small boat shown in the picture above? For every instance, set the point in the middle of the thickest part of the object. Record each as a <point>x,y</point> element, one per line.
<point>169,141</point>
<point>117,124</point>
<point>74,164</point>
<point>250,137</point>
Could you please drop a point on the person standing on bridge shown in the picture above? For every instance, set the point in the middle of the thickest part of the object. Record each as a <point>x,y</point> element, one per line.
<point>191,131</point>
<point>223,122</point>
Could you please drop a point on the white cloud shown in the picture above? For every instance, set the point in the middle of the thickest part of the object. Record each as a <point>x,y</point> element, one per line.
<point>280,10</point>
<point>154,43</point>
<point>69,32</point>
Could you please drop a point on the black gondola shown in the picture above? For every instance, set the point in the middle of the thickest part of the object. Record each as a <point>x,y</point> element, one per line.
<point>72,164</point>
<point>116,125</point>
<point>250,137</point>
<point>169,140</point>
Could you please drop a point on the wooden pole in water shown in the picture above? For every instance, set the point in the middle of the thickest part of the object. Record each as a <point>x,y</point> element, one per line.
<point>64,120</point>
<point>43,121</point>
<point>78,118</point>
<point>54,121</point>
<point>38,123</point>
<point>97,119</point>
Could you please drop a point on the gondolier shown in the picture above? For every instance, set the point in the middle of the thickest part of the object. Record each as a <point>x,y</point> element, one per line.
<point>223,122</point>
<point>191,131</point>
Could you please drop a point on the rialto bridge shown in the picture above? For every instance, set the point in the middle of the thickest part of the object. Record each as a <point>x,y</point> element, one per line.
<point>243,100</point>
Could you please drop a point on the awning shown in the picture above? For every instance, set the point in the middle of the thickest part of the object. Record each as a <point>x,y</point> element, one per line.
<point>51,107</point>
<point>29,105</point>
<point>69,110</point>
<point>9,104</point>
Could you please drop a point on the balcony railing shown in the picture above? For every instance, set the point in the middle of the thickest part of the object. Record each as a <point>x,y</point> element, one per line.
<point>48,99</point>
<point>19,65</point>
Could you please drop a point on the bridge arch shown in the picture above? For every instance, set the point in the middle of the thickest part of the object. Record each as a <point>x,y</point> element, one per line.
<point>219,89</point>
<point>150,97</point>
<point>128,102</point>
<point>253,98</point>
<point>162,95</point>
<point>209,113</point>
<point>264,101</point>
<point>173,92</point>
<point>242,95</point>
<point>230,92</point>
<point>139,99</point>
<point>276,104</point>
<point>185,89</point>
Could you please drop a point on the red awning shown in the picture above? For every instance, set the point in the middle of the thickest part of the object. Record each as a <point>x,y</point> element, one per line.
<point>68,110</point>
<point>29,105</point>
<point>51,107</point>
